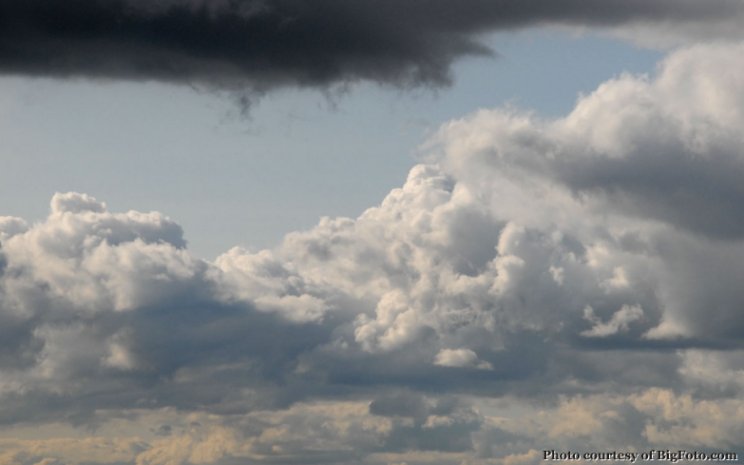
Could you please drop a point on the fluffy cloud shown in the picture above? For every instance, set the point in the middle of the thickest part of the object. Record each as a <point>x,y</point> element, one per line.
<point>651,164</point>
<point>572,282</point>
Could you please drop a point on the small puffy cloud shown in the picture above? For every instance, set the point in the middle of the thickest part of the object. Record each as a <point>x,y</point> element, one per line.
<point>460,358</point>
<point>10,226</point>
<point>73,202</point>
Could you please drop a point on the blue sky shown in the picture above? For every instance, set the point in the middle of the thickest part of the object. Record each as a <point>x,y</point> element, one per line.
<point>299,154</point>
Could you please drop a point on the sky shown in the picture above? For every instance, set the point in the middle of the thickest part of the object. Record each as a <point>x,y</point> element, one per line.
<point>369,231</point>
<point>298,155</point>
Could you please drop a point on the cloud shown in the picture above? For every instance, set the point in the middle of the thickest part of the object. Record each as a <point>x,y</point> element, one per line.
<point>344,432</point>
<point>619,321</point>
<point>652,163</point>
<point>460,358</point>
<point>535,282</point>
<point>94,301</point>
<point>256,45</point>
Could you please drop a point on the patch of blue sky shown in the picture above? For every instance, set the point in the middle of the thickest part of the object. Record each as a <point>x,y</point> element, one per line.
<point>299,155</point>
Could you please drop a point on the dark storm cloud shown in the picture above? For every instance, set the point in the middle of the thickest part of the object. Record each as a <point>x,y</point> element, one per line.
<point>259,44</point>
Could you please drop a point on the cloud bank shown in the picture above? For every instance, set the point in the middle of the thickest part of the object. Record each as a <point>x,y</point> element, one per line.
<point>257,45</point>
<point>536,284</point>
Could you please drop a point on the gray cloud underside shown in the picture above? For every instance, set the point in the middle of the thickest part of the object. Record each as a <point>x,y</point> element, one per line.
<point>571,283</point>
<point>256,45</point>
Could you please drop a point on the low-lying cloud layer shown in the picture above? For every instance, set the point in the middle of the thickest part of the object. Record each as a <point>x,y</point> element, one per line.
<point>563,284</point>
<point>257,45</point>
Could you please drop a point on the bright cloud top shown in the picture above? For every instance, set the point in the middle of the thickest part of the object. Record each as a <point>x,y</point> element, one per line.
<point>584,271</point>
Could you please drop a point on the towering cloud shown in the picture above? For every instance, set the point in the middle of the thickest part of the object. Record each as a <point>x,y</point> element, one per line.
<point>255,45</point>
<point>571,283</point>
